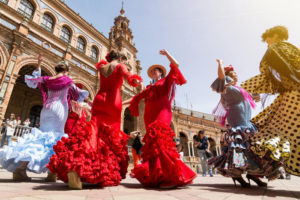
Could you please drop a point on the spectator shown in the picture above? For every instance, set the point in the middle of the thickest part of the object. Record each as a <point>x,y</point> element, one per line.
<point>202,144</point>
<point>11,124</point>
<point>136,147</point>
<point>19,122</point>
<point>26,123</point>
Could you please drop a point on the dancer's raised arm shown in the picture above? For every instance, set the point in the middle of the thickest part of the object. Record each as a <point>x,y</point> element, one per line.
<point>170,58</point>
<point>221,73</point>
<point>40,60</point>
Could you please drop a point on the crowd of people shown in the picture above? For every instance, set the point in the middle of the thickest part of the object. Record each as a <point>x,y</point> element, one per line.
<point>8,128</point>
<point>79,141</point>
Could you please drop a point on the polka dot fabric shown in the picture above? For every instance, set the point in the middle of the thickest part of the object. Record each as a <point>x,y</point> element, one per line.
<point>279,123</point>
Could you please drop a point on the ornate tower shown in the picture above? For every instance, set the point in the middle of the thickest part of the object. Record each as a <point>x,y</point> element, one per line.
<point>120,34</point>
<point>121,39</point>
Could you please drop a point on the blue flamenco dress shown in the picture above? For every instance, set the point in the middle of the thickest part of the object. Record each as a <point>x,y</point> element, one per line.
<point>237,158</point>
<point>36,147</point>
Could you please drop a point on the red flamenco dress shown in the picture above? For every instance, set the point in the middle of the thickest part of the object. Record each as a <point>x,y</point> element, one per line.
<point>161,165</point>
<point>78,111</point>
<point>97,150</point>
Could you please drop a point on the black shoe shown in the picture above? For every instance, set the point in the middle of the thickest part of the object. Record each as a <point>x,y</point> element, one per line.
<point>243,183</point>
<point>256,180</point>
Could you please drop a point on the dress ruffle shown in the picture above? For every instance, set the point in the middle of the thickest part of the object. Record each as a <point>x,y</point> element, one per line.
<point>98,154</point>
<point>177,75</point>
<point>34,147</point>
<point>277,147</point>
<point>237,158</point>
<point>161,163</point>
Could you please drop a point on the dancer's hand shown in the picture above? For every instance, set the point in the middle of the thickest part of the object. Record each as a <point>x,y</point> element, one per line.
<point>163,52</point>
<point>219,61</point>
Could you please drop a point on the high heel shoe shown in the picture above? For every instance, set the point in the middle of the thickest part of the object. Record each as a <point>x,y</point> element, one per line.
<point>243,183</point>
<point>256,180</point>
<point>51,177</point>
<point>20,173</point>
<point>74,181</point>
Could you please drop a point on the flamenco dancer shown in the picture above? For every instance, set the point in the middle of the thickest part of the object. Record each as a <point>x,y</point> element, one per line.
<point>235,106</point>
<point>79,111</point>
<point>161,165</point>
<point>33,151</point>
<point>278,136</point>
<point>96,151</point>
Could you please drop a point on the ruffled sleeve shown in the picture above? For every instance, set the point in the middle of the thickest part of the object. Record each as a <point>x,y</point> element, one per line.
<point>100,64</point>
<point>77,94</point>
<point>219,84</point>
<point>135,103</point>
<point>131,78</point>
<point>175,76</point>
<point>33,80</point>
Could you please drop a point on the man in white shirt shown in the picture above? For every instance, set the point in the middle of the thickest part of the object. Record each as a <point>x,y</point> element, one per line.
<point>10,124</point>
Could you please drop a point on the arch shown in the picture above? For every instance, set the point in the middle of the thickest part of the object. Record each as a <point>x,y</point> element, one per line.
<point>184,142</point>
<point>93,46</point>
<point>4,55</point>
<point>22,97</point>
<point>213,145</point>
<point>32,60</point>
<point>49,12</point>
<point>34,114</point>
<point>183,133</point>
<point>85,41</point>
<point>48,22</point>
<point>34,4</point>
<point>129,121</point>
<point>70,28</point>
<point>86,85</point>
<point>65,34</point>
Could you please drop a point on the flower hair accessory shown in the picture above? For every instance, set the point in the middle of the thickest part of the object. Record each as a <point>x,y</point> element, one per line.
<point>107,57</point>
<point>229,68</point>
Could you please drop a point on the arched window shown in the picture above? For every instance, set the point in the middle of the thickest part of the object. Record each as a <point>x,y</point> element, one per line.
<point>47,22</point>
<point>94,53</point>
<point>65,34</point>
<point>26,8</point>
<point>80,44</point>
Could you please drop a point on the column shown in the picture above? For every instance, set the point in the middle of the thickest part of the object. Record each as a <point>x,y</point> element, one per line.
<point>193,149</point>
<point>189,149</point>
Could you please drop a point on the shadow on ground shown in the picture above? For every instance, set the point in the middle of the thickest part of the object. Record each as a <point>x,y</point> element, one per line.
<point>252,191</point>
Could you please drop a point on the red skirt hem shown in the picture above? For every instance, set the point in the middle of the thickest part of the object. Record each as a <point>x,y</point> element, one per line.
<point>97,153</point>
<point>161,162</point>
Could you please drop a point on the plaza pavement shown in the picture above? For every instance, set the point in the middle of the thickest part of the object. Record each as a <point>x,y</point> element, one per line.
<point>204,188</point>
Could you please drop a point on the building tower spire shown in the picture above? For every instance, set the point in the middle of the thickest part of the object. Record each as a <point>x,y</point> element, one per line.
<point>122,11</point>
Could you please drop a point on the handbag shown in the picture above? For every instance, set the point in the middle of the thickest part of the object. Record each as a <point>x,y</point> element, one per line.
<point>208,154</point>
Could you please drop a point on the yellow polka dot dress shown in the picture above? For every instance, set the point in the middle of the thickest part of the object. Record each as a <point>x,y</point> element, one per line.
<point>279,124</point>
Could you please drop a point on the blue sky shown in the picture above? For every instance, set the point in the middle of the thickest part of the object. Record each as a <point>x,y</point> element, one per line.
<point>196,32</point>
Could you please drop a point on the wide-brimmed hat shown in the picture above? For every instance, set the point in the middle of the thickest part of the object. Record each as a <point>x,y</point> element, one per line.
<point>156,66</point>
